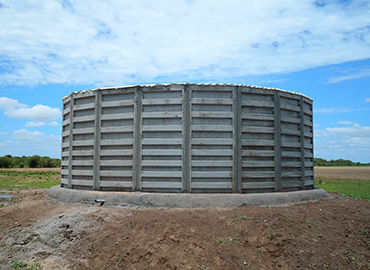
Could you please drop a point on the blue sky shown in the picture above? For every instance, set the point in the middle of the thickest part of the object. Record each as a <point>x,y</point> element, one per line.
<point>318,48</point>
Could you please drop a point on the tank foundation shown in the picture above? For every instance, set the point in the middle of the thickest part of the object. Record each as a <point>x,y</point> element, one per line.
<point>171,200</point>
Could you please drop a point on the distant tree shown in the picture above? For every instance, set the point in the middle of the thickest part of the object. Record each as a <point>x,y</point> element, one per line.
<point>34,161</point>
<point>5,162</point>
<point>56,162</point>
<point>319,162</point>
<point>45,162</point>
<point>18,162</point>
<point>337,162</point>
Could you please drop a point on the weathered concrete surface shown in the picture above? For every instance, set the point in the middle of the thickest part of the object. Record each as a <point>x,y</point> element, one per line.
<point>188,138</point>
<point>181,200</point>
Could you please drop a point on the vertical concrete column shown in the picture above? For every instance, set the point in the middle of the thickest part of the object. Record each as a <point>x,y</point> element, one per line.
<point>136,168</point>
<point>277,139</point>
<point>70,146</point>
<point>96,176</point>
<point>303,167</point>
<point>313,149</point>
<point>186,137</point>
<point>237,140</point>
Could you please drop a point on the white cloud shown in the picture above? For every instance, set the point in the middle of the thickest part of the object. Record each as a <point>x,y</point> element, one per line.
<point>38,113</point>
<point>24,142</point>
<point>25,134</point>
<point>35,124</point>
<point>40,124</point>
<point>350,76</point>
<point>123,42</point>
<point>332,110</point>
<point>10,104</point>
<point>3,133</point>
<point>350,142</point>
<point>367,100</point>
<point>345,122</point>
<point>351,132</point>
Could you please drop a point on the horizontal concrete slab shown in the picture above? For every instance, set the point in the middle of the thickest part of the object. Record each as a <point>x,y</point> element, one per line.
<point>185,200</point>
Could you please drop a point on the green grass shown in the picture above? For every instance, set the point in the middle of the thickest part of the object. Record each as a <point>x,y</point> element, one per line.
<point>11,180</point>
<point>245,218</point>
<point>227,240</point>
<point>24,266</point>
<point>352,188</point>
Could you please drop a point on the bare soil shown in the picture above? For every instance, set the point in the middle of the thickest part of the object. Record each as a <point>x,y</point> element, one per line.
<point>327,234</point>
<point>360,173</point>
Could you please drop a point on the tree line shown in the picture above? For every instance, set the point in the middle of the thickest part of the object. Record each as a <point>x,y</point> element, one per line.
<point>337,162</point>
<point>34,161</point>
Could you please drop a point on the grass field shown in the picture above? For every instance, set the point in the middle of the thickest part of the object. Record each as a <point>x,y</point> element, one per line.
<point>349,187</point>
<point>350,181</point>
<point>25,179</point>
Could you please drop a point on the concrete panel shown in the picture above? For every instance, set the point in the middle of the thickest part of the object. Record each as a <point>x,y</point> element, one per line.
<point>189,138</point>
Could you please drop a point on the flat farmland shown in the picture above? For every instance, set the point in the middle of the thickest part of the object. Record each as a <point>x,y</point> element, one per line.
<point>350,181</point>
<point>356,173</point>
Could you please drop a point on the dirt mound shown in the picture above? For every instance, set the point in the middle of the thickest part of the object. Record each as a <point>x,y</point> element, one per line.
<point>327,234</point>
<point>50,237</point>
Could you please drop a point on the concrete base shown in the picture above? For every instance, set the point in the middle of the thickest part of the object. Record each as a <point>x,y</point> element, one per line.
<point>188,200</point>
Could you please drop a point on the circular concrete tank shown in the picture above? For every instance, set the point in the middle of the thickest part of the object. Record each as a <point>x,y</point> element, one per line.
<point>187,138</point>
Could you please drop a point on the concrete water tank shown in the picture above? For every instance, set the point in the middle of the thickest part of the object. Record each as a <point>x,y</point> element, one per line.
<point>199,138</point>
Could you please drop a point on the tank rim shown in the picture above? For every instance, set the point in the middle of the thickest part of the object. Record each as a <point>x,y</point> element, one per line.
<point>173,84</point>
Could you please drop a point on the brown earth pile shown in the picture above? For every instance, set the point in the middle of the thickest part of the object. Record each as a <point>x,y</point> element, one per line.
<point>327,234</point>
